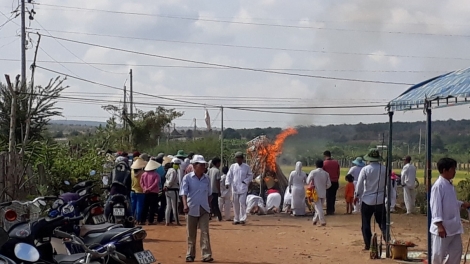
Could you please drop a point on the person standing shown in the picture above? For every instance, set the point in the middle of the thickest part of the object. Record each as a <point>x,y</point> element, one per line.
<point>162,196</point>
<point>297,180</point>
<point>371,190</point>
<point>214,176</point>
<point>446,226</point>
<point>225,195</point>
<point>354,171</point>
<point>332,167</point>
<point>196,195</point>
<point>408,178</point>
<point>137,193</point>
<point>172,188</point>
<point>239,176</point>
<point>320,179</point>
<point>150,183</point>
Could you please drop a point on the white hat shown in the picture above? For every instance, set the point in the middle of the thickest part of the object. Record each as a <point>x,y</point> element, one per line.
<point>152,165</point>
<point>198,159</point>
<point>167,160</point>
<point>176,161</point>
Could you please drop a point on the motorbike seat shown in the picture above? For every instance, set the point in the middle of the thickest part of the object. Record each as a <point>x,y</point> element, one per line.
<point>61,258</point>
<point>102,238</point>
<point>101,228</point>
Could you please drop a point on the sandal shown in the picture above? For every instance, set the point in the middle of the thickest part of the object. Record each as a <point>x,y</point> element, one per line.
<point>189,259</point>
<point>209,259</point>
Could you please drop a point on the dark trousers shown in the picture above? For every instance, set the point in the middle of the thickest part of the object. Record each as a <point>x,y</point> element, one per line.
<point>150,207</point>
<point>331,198</point>
<point>215,206</point>
<point>366,213</point>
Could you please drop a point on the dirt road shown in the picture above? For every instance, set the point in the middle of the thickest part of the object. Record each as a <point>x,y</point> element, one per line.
<point>284,239</point>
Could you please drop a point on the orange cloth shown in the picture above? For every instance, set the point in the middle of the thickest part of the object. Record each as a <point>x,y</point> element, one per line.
<point>349,192</point>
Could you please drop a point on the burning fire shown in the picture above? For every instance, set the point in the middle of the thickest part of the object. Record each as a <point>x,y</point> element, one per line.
<point>270,152</point>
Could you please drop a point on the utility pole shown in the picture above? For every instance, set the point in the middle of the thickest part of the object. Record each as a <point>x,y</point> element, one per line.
<point>23,44</point>
<point>131,104</point>
<point>419,147</point>
<point>222,135</point>
<point>124,109</point>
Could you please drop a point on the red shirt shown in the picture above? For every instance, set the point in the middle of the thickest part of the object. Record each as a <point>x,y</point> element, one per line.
<point>332,167</point>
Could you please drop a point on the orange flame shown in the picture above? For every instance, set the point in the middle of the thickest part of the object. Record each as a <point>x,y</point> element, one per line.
<point>271,152</point>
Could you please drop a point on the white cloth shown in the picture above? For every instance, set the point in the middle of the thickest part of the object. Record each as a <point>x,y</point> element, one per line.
<point>274,200</point>
<point>287,198</point>
<point>321,180</point>
<point>393,197</point>
<point>239,177</point>
<point>408,176</point>
<point>355,171</point>
<point>225,192</point>
<point>252,200</point>
<point>371,184</point>
<point>409,196</point>
<point>239,207</point>
<point>319,215</point>
<point>449,246</point>
<point>445,208</point>
<point>171,179</point>
<point>297,181</point>
<point>357,206</point>
<point>225,204</point>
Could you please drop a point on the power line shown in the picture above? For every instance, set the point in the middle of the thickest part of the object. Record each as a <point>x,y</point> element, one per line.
<point>251,23</point>
<point>227,66</point>
<point>220,68</point>
<point>256,47</point>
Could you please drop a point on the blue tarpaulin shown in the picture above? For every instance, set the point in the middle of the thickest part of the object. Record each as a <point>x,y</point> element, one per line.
<point>445,90</point>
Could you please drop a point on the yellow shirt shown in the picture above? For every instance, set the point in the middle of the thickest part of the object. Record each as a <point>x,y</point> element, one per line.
<point>136,183</point>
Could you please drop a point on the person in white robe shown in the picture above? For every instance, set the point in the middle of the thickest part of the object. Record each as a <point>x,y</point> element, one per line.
<point>239,176</point>
<point>297,181</point>
<point>273,201</point>
<point>255,205</point>
<point>354,171</point>
<point>408,178</point>
<point>225,202</point>
<point>287,206</point>
<point>446,226</point>
<point>321,181</point>
<point>393,193</point>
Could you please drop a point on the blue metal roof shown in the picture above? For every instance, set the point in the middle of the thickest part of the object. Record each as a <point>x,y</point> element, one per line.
<point>445,90</point>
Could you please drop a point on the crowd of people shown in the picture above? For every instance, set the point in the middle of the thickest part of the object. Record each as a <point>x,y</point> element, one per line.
<point>167,186</point>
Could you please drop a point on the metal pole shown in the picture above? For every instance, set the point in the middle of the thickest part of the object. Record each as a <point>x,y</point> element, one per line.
<point>389,184</point>
<point>131,97</point>
<point>222,135</point>
<point>124,110</point>
<point>428,173</point>
<point>23,44</point>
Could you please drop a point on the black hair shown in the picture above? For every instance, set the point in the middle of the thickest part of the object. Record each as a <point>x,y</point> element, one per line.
<point>216,161</point>
<point>349,178</point>
<point>190,155</point>
<point>319,163</point>
<point>167,166</point>
<point>225,170</point>
<point>446,164</point>
<point>327,153</point>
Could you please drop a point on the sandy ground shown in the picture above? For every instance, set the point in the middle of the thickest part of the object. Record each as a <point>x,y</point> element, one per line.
<point>285,239</point>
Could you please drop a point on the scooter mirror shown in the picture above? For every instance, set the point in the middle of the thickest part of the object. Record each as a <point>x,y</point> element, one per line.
<point>66,182</point>
<point>26,252</point>
<point>42,202</point>
<point>92,173</point>
<point>105,180</point>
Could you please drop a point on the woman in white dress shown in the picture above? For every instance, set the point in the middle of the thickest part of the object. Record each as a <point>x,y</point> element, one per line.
<point>297,181</point>
<point>287,202</point>
<point>354,171</point>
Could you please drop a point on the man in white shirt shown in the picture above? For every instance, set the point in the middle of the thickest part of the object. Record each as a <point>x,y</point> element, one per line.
<point>320,179</point>
<point>408,178</point>
<point>370,189</point>
<point>239,176</point>
<point>446,226</point>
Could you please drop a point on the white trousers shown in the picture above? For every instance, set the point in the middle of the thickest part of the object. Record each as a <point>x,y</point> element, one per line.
<point>357,206</point>
<point>442,247</point>
<point>319,215</point>
<point>224,205</point>
<point>239,207</point>
<point>409,196</point>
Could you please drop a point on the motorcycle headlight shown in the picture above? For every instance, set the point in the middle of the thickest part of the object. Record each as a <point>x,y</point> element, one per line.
<point>26,252</point>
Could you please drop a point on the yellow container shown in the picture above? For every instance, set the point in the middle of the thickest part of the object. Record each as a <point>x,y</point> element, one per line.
<point>399,252</point>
